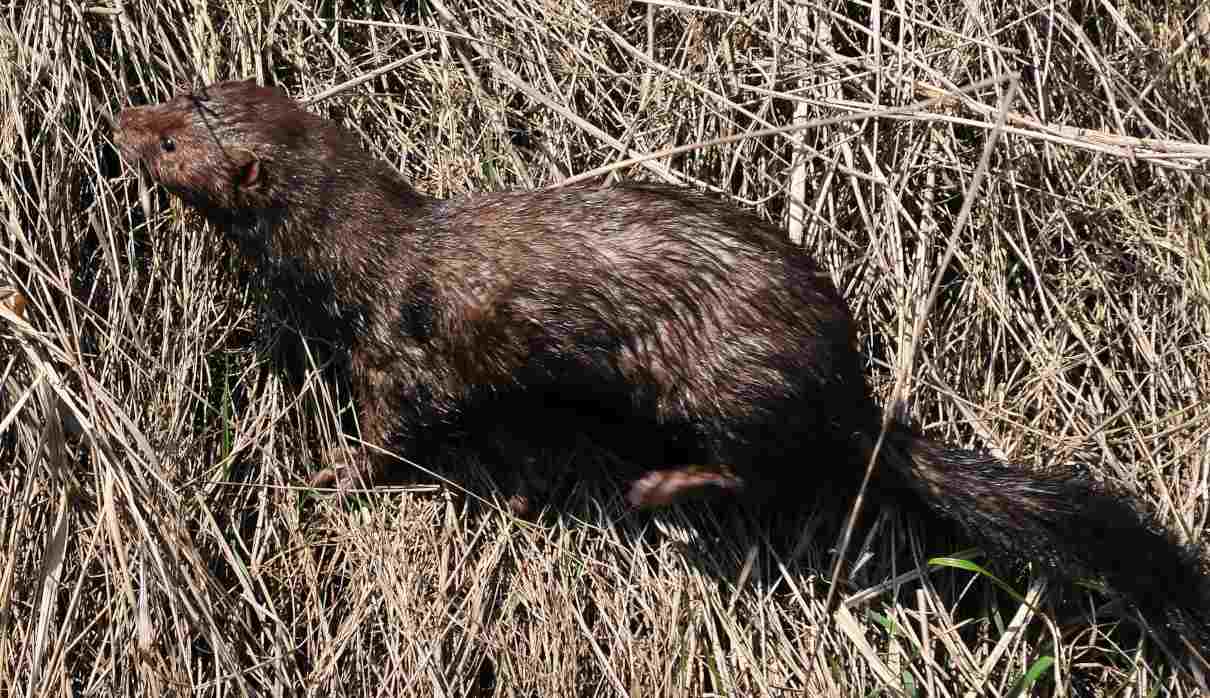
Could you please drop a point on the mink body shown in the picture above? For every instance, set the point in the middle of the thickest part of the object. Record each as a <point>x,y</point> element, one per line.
<point>642,304</point>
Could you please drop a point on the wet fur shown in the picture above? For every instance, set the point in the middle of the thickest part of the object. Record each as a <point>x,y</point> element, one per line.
<point>636,304</point>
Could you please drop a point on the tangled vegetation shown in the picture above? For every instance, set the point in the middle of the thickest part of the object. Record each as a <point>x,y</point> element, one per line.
<point>158,538</point>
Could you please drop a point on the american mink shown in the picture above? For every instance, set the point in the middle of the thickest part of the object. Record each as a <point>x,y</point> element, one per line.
<point>650,304</point>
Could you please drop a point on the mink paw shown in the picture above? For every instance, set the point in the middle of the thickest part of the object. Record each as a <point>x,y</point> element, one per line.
<point>659,488</point>
<point>351,469</point>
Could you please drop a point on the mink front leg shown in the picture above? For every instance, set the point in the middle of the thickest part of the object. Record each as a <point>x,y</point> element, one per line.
<point>353,465</point>
<point>393,405</point>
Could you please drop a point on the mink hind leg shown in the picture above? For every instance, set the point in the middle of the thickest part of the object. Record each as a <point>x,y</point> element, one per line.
<point>665,486</point>
<point>773,452</point>
<point>730,463</point>
<point>544,444</point>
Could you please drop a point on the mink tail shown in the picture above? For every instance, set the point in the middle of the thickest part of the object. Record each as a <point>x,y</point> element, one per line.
<point>1071,525</point>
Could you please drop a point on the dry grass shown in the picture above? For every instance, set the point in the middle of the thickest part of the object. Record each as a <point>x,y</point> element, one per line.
<point>156,536</point>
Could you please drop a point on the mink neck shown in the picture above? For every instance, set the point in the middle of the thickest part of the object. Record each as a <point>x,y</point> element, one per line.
<point>332,261</point>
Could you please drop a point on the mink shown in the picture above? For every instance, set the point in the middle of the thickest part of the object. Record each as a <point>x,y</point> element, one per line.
<point>635,303</point>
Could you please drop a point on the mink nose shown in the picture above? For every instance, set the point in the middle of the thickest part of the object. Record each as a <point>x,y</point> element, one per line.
<point>123,131</point>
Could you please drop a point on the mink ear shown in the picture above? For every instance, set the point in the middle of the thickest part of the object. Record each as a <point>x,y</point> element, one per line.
<point>248,171</point>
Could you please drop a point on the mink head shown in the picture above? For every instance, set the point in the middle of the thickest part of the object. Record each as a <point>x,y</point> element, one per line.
<point>228,149</point>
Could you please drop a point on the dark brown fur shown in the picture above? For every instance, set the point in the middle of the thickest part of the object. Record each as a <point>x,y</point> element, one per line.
<point>641,304</point>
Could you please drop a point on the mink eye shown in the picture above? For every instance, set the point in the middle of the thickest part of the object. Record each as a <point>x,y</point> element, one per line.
<point>167,144</point>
